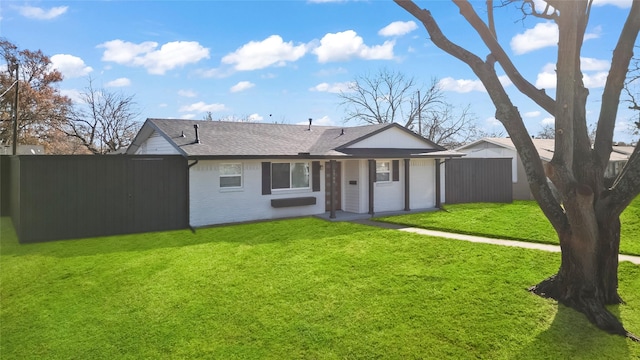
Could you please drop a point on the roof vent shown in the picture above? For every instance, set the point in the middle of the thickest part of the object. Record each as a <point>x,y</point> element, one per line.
<point>342,132</point>
<point>195,127</point>
<point>310,120</point>
<point>182,135</point>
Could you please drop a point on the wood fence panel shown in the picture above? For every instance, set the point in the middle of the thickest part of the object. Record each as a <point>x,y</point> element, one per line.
<point>66,197</point>
<point>478,180</point>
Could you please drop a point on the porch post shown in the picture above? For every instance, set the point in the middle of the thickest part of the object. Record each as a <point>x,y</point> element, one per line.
<point>438,204</point>
<point>407,198</point>
<point>332,189</point>
<point>372,180</point>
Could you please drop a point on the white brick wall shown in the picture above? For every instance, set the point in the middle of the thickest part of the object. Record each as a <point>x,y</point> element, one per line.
<point>210,204</point>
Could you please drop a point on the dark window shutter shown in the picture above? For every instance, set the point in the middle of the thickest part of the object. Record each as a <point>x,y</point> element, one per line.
<point>395,169</point>
<point>315,175</point>
<point>266,178</point>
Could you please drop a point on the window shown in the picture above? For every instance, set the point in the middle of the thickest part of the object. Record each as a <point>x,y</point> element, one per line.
<point>383,171</point>
<point>231,175</point>
<point>290,175</point>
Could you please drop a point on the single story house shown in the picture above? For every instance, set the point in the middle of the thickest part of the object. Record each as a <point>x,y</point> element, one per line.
<point>251,171</point>
<point>22,150</point>
<point>504,148</point>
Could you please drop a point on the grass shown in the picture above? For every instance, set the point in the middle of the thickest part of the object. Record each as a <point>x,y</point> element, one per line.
<point>520,220</point>
<point>291,289</point>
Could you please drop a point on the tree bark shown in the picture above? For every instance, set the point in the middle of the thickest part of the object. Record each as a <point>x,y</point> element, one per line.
<point>586,216</point>
<point>587,283</point>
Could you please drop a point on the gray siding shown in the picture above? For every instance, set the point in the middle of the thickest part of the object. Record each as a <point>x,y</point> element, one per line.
<point>5,183</point>
<point>478,180</point>
<point>65,197</point>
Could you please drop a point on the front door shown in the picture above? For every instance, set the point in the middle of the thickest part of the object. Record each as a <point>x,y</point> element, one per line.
<point>337,186</point>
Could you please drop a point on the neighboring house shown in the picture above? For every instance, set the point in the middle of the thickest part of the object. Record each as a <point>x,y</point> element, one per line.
<point>504,148</point>
<point>252,171</point>
<point>22,150</point>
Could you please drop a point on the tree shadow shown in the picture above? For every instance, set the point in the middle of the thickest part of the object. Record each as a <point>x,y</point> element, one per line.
<point>255,233</point>
<point>572,336</point>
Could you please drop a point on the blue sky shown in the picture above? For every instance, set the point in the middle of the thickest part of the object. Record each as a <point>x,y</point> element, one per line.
<point>285,61</point>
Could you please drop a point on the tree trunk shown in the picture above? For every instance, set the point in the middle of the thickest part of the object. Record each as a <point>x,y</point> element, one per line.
<point>588,281</point>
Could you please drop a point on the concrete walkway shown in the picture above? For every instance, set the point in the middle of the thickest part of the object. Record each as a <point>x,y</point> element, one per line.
<point>479,239</point>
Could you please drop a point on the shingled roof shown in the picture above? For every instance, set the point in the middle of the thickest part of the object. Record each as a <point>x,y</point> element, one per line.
<point>238,139</point>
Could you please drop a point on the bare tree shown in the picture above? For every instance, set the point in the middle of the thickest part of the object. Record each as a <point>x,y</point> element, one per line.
<point>631,89</point>
<point>446,126</point>
<point>548,131</point>
<point>586,217</point>
<point>41,107</point>
<point>390,96</point>
<point>104,122</point>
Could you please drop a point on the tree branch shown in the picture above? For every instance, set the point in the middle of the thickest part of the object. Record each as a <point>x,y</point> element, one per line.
<point>622,55</point>
<point>498,53</point>
<point>506,113</point>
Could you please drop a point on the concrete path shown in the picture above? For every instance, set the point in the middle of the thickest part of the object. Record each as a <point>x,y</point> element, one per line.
<point>479,239</point>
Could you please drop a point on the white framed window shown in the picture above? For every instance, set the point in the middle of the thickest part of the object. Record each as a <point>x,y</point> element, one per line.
<point>383,171</point>
<point>290,175</point>
<point>230,175</point>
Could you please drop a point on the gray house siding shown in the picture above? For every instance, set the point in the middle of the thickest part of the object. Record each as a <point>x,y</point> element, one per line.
<point>66,197</point>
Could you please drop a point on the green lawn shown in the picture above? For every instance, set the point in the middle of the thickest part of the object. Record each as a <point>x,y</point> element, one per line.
<point>291,289</point>
<point>520,220</point>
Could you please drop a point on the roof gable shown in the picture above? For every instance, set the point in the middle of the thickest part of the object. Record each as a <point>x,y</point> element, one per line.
<point>545,147</point>
<point>392,136</point>
<point>235,139</point>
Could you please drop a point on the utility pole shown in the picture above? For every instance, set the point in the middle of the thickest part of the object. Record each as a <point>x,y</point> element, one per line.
<point>14,145</point>
<point>419,114</point>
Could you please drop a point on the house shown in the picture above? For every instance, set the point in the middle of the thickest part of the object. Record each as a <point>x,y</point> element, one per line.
<point>504,148</point>
<point>22,150</point>
<point>252,171</point>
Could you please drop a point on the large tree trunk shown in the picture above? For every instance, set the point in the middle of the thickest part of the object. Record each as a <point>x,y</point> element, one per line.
<point>586,217</point>
<point>588,276</point>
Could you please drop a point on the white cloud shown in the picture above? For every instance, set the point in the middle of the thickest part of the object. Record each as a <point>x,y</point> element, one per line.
<point>624,4</point>
<point>73,94</point>
<point>398,28</point>
<point>261,54</point>
<point>202,107</point>
<point>255,117</point>
<point>547,77</point>
<point>548,121</point>
<point>492,121</point>
<point>242,86</point>
<point>531,114</point>
<point>187,93</point>
<point>120,82</point>
<point>335,88</point>
<point>542,35</point>
<point>157,61</point>
<point>504,80</point>
<point>596,80</point>
<point>346,45</point>
<point>593,35</point>
<point>187,116</point>
<point>33,12</point>
<point>591,64</point>
<point>460,85</point>
<point>70,66</point>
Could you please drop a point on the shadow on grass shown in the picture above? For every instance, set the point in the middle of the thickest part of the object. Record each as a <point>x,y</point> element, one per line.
<point>572,336</point>
<point>274,231</point>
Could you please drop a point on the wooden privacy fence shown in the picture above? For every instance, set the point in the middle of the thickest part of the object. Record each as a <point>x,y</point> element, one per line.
<point>65,197</point>
<point>478,180</point>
